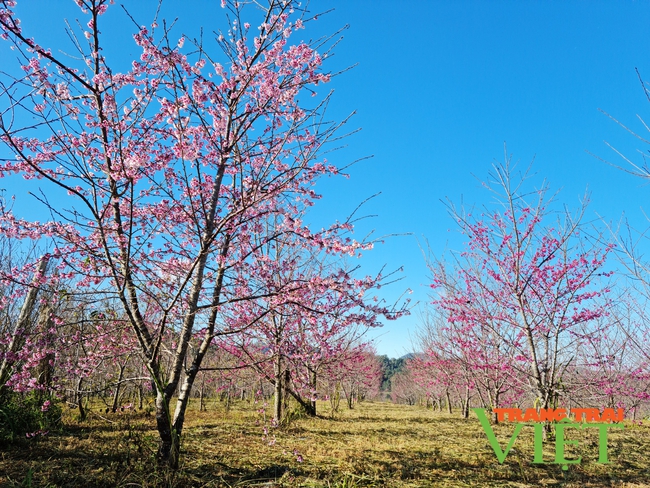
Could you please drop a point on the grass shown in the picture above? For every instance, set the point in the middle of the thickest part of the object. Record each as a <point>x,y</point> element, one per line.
<point>374,445</point>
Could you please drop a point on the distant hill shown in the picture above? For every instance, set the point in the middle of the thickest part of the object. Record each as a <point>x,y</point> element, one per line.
<point>390,367</point>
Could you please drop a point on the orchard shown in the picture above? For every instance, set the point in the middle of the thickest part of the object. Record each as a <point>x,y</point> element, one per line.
<point>170,279</point>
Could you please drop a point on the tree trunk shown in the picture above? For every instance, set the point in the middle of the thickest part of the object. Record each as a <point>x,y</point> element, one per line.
<point>78,399</point>
<point>17,335</point>
<point>306,405</point>
<point>466,404</point>
<point>285,395</point>
<point>116,395</point>
<point>335,400</point>
<point>45,367</point>
<point>448,398</point>
<point>171,430</point>
<point>313,401</point>
<point>201,406</point>
<point>140,395</point>
<point>277,403</point>
<point>228,399</point>
<point>182,403</point>
<point>169,448</point>
<point>494,403</point>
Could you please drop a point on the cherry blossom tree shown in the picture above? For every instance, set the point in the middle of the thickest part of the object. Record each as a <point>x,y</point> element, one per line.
<point>612,369</point>
<point>359,376</point>
<point>20,328</point>
<point>405,389</point>
<point>632,319</point>
<point>97,354</point>
<point>306,331</point>
<point>437,376</point>
<point>157,177</point>
<point>481,360</point>
<point>525,293</point>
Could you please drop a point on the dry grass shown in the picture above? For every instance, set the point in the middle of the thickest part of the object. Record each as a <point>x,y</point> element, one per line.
<point>374,445</point>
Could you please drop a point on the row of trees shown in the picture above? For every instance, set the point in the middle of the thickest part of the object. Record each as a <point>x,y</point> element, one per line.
<point>176,191</point>
<point>95,358</point>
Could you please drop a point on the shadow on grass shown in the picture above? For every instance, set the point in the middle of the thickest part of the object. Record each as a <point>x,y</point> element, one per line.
<point>410,449</point>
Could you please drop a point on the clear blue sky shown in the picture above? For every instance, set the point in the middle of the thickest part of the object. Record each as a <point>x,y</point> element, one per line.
<point>439,87</point>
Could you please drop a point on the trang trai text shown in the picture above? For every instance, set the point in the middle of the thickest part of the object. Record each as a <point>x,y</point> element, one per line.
<point>583,418</point>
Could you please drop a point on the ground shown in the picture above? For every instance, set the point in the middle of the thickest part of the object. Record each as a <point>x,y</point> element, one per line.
<point>373,445</point>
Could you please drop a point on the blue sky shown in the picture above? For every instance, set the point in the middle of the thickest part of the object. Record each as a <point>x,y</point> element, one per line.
<point>439,87</point>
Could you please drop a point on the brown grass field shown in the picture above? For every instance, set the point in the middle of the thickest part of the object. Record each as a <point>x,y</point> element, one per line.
<point>373,445</point>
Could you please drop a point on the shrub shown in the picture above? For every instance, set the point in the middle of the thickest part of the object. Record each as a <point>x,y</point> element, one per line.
<point>27,416</point>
